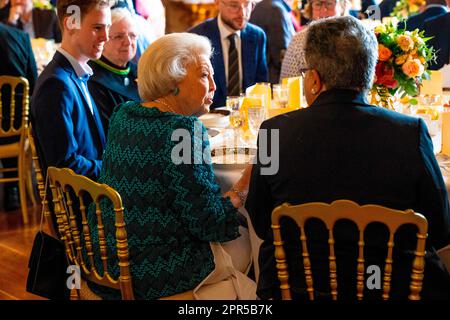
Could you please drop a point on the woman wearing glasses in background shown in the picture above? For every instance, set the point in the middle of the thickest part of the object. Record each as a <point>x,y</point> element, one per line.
<point>294,59</point>
<point>114,78</point>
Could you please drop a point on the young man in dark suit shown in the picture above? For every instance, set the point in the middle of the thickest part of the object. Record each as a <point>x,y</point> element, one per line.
<point>239,58</point>
<point>75,139</point>
<point>17,60</point>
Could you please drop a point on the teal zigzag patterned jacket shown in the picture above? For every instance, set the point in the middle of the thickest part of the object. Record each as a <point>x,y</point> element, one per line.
<point>172,211</point>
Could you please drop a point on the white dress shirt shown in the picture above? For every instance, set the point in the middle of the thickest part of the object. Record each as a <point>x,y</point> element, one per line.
<point>81,70</point>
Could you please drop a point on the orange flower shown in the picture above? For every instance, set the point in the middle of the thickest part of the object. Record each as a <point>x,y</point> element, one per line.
<point>405,42</point>
<point>401,59</point>
<point>383,53</point>
<point>413,68</point>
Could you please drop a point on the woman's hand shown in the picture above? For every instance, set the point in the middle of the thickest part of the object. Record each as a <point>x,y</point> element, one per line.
<point>238,193</point>
<point>234,198</point>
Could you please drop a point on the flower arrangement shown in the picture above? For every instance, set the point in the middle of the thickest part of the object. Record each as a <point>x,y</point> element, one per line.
<point>405,8</point>
<point>403,59</point>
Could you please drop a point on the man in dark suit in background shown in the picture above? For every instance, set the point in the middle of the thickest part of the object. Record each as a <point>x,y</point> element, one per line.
<point>38,23</point>
<point>17,60</point>
<point>386,7</point>
<point>239,58</point>
<point>75,138</point>
<point>439,29</point>
<point>343,148</point>
<point>273,16</point>
<point>433,9</point>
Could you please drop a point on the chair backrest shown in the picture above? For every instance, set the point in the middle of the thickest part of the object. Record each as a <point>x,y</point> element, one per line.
<point>8,125</point>
<point>66,185</point>
<point>362,216</point>
<point>41,183</point>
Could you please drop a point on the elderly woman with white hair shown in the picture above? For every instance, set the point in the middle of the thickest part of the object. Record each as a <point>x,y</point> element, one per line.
<point>114,78</point>
<point>173,206</point>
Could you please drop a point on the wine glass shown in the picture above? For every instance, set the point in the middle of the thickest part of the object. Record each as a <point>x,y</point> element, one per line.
<point>255,118</point>
<point>280,95</point>
<point>234,106</point>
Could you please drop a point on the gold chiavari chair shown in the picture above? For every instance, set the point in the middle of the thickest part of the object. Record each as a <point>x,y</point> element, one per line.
<point>40,183</point>
<point>14,124</point>
<point>65,186</point>
<point>69,192</point>
<point>362,216</point>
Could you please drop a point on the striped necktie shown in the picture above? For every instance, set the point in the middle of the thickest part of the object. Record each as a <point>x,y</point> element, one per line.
<point>233,68</point>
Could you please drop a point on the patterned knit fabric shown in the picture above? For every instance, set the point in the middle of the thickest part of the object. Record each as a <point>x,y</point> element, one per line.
<point>294,58</point>
<point>172,211</point>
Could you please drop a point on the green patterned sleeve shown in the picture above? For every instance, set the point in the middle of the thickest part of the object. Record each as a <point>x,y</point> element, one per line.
<point>208,215</point>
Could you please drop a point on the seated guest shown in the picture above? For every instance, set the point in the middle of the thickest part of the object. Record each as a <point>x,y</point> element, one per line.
<point>433,9</point>
<point>439,29</point>
<point>18,61</point>
<point>294,59</point>
<point>66,122</point>
<point>114,78</point>
<point>173,205</point>
<point>146,32</point>
<point>239,58</point>
<point>38,23</point>
<point>343,148</point>
<point>273,16</point>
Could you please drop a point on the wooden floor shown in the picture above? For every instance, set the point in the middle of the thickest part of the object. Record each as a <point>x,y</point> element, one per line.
<point>16,241</point>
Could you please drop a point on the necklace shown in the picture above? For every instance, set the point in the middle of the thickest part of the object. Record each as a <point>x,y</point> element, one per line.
<point>165,105</point>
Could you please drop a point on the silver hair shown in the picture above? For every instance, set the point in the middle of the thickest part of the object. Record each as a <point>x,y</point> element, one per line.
<point>343,51</point>
<point>163,64</point>
<point>119,14</point>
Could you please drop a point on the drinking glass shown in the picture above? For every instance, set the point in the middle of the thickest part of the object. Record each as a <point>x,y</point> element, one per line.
<point>255,118</point>
<point>280,95</point>
<point>234,106</point>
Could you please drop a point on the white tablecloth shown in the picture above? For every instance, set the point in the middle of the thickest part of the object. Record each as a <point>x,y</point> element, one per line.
<point>226,177</point>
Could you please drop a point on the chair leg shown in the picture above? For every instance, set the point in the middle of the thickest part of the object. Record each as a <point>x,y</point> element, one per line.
<point>74,294</point>
<point>22,188</point>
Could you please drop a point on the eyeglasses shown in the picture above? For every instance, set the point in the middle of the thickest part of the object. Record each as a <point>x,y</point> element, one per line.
<point>323,4</point>
<point>235,6</point>
<point>119,37</point>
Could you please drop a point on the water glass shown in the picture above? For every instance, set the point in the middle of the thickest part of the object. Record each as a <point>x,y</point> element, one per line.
<point>256,116</point>
<point>234,106</point>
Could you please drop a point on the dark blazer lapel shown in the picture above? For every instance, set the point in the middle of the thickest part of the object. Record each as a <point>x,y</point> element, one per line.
<point>75,79</point>
<point>98,123</point>
<point>248,49</point>
<point>219,71</point>
<point>95,117</point>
